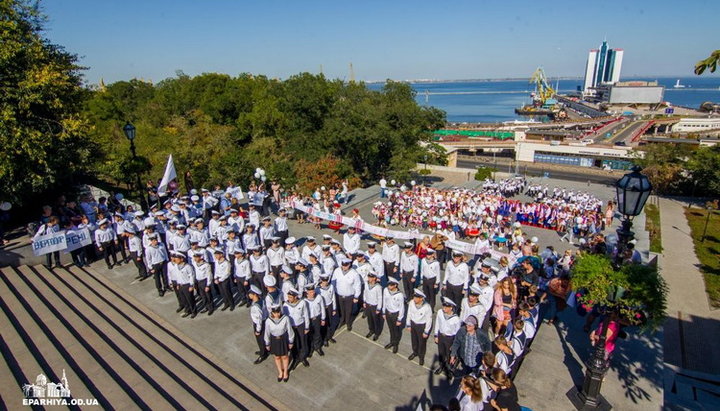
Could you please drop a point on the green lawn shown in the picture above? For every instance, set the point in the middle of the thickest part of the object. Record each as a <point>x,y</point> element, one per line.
<point>707,251</point>
<point>652,225</point>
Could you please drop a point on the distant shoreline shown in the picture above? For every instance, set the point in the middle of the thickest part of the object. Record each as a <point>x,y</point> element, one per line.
<point>496,80</point>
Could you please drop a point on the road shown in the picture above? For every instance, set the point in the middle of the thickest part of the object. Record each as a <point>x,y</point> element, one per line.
<point>538,170</point>
<point>625,134</point>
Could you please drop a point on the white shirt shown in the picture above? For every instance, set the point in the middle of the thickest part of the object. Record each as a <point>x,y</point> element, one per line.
<point>156,255</point>
<point>429,269</point>
<point>258,314</point>
<point>377,262</point>
<point>278,327</point>
<point>259,264</point>
<point>449,326</point>
<point>276,256</point>
<point>306,251</point>
<point>391,254</point>
<point>457,274</point>
<point>420,315</point>
<point>351,243</point>
<point>373,295</point>
<point>316,307</point>
<point>394,303</point>
<point>347,283</point>
<point>408,263</point>
<point>222,270</point>
<point>242,269</point>
<point>298,313</point>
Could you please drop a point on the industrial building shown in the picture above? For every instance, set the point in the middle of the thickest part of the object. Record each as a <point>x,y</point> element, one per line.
<point>696,125</point>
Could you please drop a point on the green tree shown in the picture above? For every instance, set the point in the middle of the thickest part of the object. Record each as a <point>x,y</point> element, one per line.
<point>643,297</point>
<point>709,63</point>
<point>664,165</point>
<point>41,126</point>
<point>704,167</point>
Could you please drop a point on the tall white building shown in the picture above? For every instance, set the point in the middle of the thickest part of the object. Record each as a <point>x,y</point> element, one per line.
<point>603,67</point>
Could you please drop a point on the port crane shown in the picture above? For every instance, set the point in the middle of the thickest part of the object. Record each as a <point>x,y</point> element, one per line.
<point>543,90</point>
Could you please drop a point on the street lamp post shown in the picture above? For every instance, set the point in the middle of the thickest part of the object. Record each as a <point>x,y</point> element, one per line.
<point>129,131</point>
<point>632,190</point>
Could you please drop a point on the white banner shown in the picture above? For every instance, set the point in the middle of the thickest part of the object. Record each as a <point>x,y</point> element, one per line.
<point>48,243</point>
<point>401,235</point>
<point>76,239</point>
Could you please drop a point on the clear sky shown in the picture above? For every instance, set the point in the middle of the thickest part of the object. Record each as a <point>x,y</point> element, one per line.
<point>152,39</point>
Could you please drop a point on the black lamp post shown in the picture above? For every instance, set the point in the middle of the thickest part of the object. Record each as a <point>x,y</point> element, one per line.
<point>633,190</point>
<point>129,131</point>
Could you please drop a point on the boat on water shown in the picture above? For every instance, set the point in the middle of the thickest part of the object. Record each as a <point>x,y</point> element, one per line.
<point>678,85</point>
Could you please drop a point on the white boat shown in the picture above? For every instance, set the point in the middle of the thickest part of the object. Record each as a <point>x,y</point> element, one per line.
<point>678,85</point>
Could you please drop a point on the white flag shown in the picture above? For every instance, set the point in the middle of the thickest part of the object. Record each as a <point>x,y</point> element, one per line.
<point>170,175</point>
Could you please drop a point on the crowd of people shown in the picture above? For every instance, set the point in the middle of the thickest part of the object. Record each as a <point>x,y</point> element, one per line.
<point>215,254</point>
<point>489,214</point>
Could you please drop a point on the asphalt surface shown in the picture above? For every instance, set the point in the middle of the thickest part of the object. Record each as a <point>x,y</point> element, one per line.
<point>625,134</point>
<point>538,170</point>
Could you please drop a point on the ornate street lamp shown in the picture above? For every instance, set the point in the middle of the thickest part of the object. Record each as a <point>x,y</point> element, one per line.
<point>633,190</point>
<point>129,131</point>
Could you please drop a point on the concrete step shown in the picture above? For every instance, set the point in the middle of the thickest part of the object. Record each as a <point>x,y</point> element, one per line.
<point>113,379</point>
<point>162,374</point>
<point>49,348</point>
<point>19,350</point>
<point>201,372</point>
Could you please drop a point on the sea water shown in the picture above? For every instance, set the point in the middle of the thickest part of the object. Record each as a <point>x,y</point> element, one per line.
<point>495,101</point>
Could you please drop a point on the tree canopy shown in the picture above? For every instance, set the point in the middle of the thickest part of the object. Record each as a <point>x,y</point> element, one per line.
<point>675,168</point>
<point>42,127</point>
<point>222,127</point>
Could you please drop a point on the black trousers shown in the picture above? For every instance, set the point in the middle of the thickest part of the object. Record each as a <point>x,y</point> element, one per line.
<point>428,286</point>
<point>161,282</point>
<point>346,308</point>
<point>331,322</point>
<point>283,235</point>
<point>395,330</point>
<point>444,344</point>
<point>180,298</point>
<point>374,319</point>
<point>205,296</point>
<point>226,292</point>
<point>188,298</point>
<point>441,256</point>
<point>300,348</point>
<point>242,289</point>
<point>137,260</point>
<point>389,268</point>
<point>454,292</point>
<point>408,284</point>
<point>108,250</point>
<point>260,339</point>
<point>316,339</point>
<point>257,280</point>
<point>56,255</point>
<point>419,343</point>
<point>122,247</point>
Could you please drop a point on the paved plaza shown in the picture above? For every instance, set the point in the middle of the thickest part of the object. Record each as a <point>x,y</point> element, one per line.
<point>357,373</point>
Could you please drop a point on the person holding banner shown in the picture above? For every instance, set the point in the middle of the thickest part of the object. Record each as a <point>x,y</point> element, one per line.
<point>106,240</point>
<point>50,227</point>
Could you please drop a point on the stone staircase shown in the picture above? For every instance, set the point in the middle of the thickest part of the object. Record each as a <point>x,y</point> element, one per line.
<point>110,347</point>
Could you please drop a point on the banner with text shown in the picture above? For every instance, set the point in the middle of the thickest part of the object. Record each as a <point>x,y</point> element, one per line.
<point>76,239</point>
<point>401,235</point>
<point>49,243</point>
